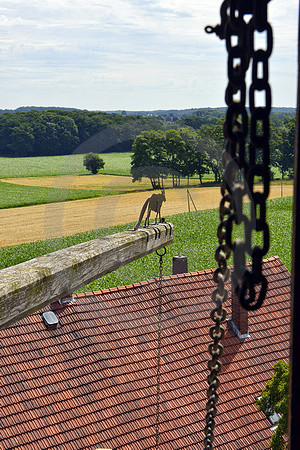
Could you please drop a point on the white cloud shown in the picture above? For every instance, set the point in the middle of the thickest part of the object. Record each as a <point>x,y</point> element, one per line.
<point>6,21</point>
<point>142,53</point>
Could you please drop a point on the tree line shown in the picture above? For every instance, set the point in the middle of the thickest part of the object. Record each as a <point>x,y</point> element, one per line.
<point>53,132</point>
<point>185,151</point>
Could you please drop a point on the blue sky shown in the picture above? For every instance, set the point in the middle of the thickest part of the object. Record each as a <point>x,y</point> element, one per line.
<point>128,54</point>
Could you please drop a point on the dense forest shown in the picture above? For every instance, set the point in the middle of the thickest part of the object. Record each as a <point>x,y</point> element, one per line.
<point>186,144</point>
<point>39,132</point>
<point>60,132</point>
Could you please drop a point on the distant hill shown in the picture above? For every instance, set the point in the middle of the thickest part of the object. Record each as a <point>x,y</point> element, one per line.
<point>37,108</point>
<point>220,111</point>
<point>157,112</point>
<point>178,113</point>
<point>174,112</point>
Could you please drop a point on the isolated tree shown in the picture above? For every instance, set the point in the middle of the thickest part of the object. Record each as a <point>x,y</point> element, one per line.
<point>93,162</point>
<point>274,398</point>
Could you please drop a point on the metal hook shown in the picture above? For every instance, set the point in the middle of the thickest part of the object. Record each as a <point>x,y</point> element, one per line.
<point>162,254</point>
<point>209,29</point>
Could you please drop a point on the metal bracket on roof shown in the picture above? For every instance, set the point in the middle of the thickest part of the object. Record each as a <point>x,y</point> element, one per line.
<point>236,330</point>
<point>67,299</point>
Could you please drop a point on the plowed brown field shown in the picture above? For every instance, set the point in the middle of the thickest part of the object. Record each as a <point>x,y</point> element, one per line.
<point>33,223</point>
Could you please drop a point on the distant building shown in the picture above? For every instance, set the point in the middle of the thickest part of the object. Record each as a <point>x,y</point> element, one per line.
<point>91,382</point>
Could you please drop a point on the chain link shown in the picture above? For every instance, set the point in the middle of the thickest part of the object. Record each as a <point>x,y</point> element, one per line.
<point>159,333</point>
<point>241,161</point>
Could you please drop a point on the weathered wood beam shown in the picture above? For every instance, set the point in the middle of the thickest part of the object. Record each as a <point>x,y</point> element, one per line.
<point>31,285</point>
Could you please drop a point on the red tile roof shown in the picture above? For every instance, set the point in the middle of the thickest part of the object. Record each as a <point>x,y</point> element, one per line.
<point>92,382</point>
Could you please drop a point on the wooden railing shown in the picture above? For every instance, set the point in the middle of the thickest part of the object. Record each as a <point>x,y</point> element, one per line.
<point>33,284</point>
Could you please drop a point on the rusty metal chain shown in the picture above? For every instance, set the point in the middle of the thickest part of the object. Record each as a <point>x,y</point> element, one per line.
<point>159,333</point>
<point>216,332</point>
<point>248,162</point>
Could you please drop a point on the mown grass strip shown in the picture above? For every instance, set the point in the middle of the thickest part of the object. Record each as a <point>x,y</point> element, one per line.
<point>195,237</point>
<point>14,195</point>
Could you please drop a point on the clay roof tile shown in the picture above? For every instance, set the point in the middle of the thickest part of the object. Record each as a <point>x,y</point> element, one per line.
<point>92,381</point>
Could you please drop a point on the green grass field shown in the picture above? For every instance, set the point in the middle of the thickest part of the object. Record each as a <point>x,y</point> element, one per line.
<point>195,236</point>
<point>43,166</point>
<point>14,195</point>
<point>39,166</point>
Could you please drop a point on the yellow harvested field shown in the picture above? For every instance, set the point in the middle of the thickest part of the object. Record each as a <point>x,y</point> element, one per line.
<point>96,182</point>
<point>99,182</point>
<point>33,223</point>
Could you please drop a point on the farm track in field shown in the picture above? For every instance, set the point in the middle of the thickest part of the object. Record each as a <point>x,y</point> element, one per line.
<point>40,222</point>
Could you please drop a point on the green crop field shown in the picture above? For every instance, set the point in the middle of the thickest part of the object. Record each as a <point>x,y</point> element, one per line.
<point>39,166</point>
<point>13,195</point>
<point>195,236</point>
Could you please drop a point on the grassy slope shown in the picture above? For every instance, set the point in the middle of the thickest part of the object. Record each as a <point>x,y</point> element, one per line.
<point>195,236</point>
<point>14,195</point>
<point>115,164</point>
